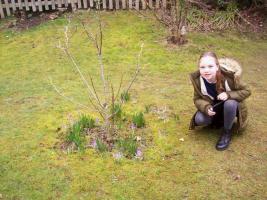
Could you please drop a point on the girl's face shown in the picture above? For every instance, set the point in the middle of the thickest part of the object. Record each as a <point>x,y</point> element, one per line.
<point>208,68</point>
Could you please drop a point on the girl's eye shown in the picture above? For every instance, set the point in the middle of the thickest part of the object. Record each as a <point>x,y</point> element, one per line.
<point>210,66</point>
<point>201,67</point>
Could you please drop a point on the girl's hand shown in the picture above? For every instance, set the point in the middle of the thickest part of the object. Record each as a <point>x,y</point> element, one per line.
<point>211,112</point>
<point>223,96</point>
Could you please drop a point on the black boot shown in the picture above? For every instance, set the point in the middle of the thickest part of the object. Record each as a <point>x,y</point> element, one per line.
<point>224,140</point>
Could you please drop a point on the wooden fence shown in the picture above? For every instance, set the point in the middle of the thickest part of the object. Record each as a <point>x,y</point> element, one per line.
<point>7,7</point>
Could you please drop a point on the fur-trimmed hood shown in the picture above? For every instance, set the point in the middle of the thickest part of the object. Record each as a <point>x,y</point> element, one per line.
<point>230,65</point>
<point>236,90</point>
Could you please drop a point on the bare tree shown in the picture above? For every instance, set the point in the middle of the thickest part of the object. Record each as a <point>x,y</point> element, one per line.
<point>177,15</point>
<point>104,106</point>
<point>173,16</point>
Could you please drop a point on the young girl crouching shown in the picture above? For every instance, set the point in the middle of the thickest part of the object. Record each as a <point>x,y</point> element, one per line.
<point>219,96</point>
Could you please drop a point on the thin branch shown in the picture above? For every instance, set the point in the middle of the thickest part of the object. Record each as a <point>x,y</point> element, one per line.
<point>200,4</point>
<point>113,100</point>
<point>93,86</point>
<point>67,98</point>
<point>137,68</point>
<point>65,50</point>
<point>119,87</point>
<point>91,36</point>
<point>101,34</point>
<point>93,93</point>
<point>90,92</point>
<point>113,114</point>
<point>100,60</point>
<point>155,15</point>
<point>113,107</point>
<point>245,20</point>
<point>161,20</point>
<point>98,46</point>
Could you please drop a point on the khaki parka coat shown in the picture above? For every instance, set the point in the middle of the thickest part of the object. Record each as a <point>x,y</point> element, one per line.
<point>235,89</point>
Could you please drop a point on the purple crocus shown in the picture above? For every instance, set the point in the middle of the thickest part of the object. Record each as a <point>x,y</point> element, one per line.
<point>94,144</point>
<point>117,155</point>
<point>133,126</point>
<point>139,153</point>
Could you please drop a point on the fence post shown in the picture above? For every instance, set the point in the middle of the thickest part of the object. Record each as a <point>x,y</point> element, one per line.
<point>66,3</point>
<point>40,6</point>
<point>26,5</point>
<point>104,4</point>
<point>137,4</point>
<point>13,5</point>
<point>79,4</point>
<point>91,3</point>
<point>130,4</point>
<point>110,4</point>
<point>20,5</point>
<point>53,5</point>
<point>123,4</point>
<point>157,4</point>
<point>7,8</point>
<point>46,4</point>
<point>150,4</point>
<point>117,4</point>
<point>1,11</point>
<point>164,3</point>
<point>143,4</point>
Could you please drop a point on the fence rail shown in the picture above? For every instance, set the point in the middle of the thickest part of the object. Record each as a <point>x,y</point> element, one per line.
<point>7,7</point>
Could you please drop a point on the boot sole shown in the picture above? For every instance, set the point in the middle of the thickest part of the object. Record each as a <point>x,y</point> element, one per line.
<point>222,149</point>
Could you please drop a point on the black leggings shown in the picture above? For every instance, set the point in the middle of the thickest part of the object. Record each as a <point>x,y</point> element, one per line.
<point>227,111</point>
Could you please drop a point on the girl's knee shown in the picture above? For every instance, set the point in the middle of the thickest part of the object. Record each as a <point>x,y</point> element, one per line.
<point>202,119</point>
<point>230,104</point>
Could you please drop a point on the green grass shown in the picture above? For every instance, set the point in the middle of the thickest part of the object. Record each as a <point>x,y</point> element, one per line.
<point>139,120</point>
<point>125,96</point>
<point>128,146</point>
<point>31,111</point>
<point>75,134</point>
<point>100,146</point>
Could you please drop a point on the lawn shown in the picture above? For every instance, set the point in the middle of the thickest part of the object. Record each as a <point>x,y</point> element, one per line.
<point>31,167</point>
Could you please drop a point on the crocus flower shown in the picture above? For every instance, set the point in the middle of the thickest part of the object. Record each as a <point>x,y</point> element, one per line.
<point>94,144</point>
<point>139,153</point>
<point>117,155</point>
